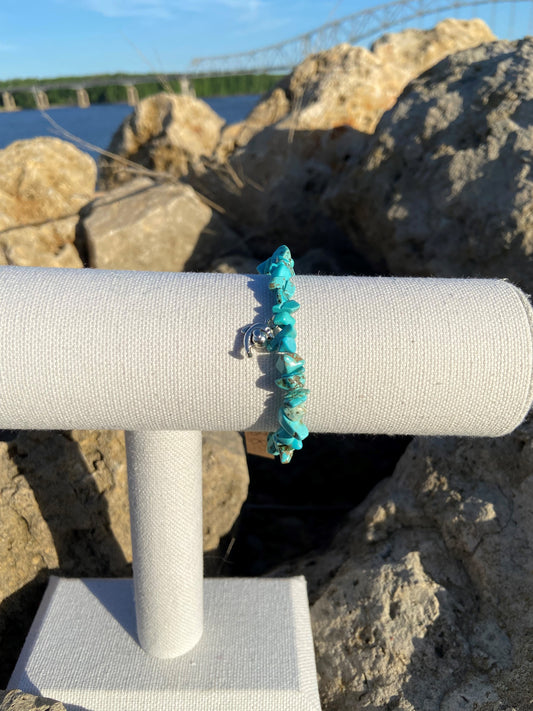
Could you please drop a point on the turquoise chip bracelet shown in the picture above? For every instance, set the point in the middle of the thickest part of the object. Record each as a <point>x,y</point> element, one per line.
<point>279,336</point>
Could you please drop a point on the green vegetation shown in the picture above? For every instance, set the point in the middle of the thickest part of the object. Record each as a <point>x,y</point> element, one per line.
<point>116,93</point>
<point>238,84</point>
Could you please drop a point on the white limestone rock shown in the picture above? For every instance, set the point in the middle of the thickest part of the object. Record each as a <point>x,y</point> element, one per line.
<point>424,599</point>
<point>350,85</point>
<point>16,700</point>
<point>445,188</point>
<point>165,133</point>
<point>148,226</point>
<point>43,184</point>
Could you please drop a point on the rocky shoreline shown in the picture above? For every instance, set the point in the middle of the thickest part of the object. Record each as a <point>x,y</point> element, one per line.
<point>411,159</point>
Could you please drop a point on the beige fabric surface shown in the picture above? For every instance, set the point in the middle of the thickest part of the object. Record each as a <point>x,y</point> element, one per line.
<point>145,350</point>
<point>165,492</point>
<point>256,653</point>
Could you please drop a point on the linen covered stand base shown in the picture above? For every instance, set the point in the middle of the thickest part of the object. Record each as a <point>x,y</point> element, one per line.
<point>256,652</point>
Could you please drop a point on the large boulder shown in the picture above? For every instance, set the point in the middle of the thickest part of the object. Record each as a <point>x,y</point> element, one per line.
<point>270,190</point>
<point>43,179</point>
<point>446,187</point>
<point>43,184</point>
<point>424,599</point>
<point>154,227</point>
<point>50,244</point>
<point>350,85</point>
<point>165,133</point>
<point>269,174</point>
<point>64,509</point>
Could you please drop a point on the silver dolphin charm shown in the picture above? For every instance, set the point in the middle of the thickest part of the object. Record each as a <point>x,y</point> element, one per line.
<point>255,336</point>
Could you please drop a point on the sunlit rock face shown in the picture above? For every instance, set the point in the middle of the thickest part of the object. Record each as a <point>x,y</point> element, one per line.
<point>154,226</point>
<point>43,184</point>
<point>420,601</point>
<point>352,86</point>
<point>445,187</point>
<point>270,172</point>
<point>165,133</point>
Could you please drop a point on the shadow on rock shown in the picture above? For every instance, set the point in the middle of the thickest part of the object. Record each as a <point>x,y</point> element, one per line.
<point>55,519</point>
<point>269,191</point>
<point>16,615</point>
<point>293,509</point>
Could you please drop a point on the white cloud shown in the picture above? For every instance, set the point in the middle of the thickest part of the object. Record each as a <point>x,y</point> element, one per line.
<point>167,9</point>
<point>249,10</point>
<point>248,5</point>
<point>128,8</point>
<point>267,25</point>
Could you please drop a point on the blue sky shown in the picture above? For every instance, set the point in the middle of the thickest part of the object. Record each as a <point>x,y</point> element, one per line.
<point>47,38</point>
<point>71,37</point>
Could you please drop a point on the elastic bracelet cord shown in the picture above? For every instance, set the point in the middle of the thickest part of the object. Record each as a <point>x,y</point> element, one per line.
<point>282,340</point>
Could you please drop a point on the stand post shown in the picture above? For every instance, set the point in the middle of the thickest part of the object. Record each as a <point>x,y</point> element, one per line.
<point>165,491</point>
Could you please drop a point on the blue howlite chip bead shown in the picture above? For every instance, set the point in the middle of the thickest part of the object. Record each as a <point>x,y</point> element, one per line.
<point>294,412</point>
<point>295,397</point>
<point>287,292</point>
<point>283,438</point>
<point>293,427</point>
<point>281,270</point>
<point>289,362</point>
<point>290,382</point>
<point>288,329</point>
<point>290,306</point>
<point>283,318</point>
<point>278,283</point>
<point>287,343</point>
<point>299,370</point>
<point>284,253</point>
<point>283,442</point>
<point>285,454</point>
<point>282,342</point>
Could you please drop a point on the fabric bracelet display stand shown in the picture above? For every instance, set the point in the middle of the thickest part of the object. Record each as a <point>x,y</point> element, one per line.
<point>159,355</point>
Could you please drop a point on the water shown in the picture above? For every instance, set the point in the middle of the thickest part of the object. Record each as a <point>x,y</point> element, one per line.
<point>97,123</point>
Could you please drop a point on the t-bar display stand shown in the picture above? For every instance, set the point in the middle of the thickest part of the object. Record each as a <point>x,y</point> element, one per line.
<point>159,355</point>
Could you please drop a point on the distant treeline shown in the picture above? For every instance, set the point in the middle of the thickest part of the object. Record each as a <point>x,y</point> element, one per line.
<point>116,93</point>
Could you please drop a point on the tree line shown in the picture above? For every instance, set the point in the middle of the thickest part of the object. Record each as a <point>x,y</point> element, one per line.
<point>116,93</point>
